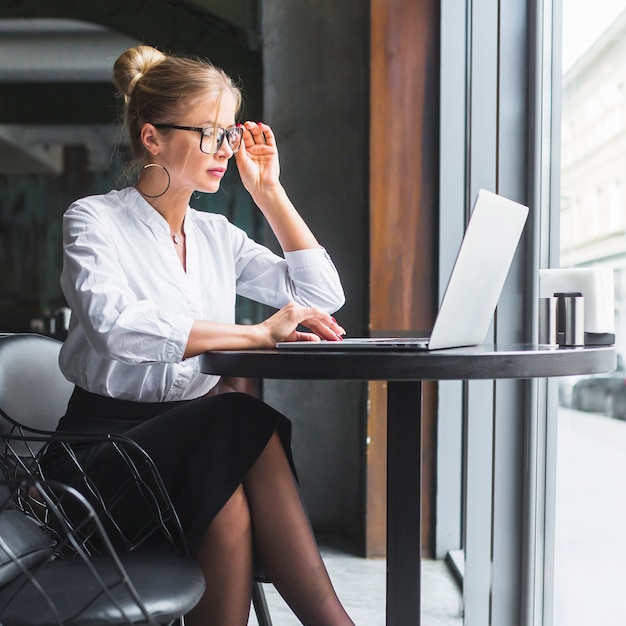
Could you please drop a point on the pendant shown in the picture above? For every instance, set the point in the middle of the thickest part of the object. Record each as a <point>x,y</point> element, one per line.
<point>175,238</point>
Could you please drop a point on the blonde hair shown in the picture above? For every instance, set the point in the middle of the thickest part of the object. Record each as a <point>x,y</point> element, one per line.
<point>156,87</point>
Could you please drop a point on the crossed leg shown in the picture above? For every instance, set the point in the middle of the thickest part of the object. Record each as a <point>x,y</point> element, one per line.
<point>267,507</point>
<point>225,557</point>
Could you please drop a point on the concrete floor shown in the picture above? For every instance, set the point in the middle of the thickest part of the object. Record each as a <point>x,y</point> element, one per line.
<point>360,584</point>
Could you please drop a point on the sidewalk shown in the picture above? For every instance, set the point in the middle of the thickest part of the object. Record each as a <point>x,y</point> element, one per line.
<point>590,572</point>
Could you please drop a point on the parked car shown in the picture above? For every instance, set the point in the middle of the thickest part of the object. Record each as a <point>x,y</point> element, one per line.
<point>566,387</point>
<point>616,402</point>
<point>602,393</point>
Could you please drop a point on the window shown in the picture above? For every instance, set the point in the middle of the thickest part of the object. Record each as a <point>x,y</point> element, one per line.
<point>590,513</point>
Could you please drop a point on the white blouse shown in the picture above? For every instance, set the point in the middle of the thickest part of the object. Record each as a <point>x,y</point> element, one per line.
<point>133,304</point>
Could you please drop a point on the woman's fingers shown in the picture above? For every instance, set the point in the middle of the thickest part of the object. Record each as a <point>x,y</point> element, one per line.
<point>258,133</point>
<point>257,161</point>
<point>283,325</point>
<point>326,329</point>
<point>267,134</point>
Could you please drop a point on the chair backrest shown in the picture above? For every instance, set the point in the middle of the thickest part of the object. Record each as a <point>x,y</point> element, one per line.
<point>33,391</point>
<point>40,586</point>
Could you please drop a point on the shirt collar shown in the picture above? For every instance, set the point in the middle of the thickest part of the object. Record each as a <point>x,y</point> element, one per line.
<point>146,212</point>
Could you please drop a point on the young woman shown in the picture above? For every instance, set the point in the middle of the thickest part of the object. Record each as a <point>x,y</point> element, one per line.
<point>152,284</point>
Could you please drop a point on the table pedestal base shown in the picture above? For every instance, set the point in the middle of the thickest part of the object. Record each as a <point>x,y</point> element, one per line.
<point>404,502</point>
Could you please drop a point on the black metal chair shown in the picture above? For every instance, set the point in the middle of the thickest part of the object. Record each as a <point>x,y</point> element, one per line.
<point>40,585</point>
<point>33,397</point>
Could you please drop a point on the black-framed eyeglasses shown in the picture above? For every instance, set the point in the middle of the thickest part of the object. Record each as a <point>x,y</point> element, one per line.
<point>212,137</point>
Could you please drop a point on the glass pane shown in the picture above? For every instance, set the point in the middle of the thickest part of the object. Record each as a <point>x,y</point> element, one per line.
<point>590,565</point>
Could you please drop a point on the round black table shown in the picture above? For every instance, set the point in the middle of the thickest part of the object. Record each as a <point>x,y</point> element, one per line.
<point>405,370</point>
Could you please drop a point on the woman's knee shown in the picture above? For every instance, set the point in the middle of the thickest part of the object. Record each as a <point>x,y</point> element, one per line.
<point>233,520</point>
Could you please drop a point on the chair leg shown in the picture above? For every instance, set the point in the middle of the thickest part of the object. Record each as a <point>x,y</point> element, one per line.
<point>260,604</point>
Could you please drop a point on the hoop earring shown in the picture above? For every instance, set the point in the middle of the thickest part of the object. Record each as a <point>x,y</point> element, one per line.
<point>143,169</point>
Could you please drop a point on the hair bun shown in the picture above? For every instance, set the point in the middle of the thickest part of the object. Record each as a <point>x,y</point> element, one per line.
<point>131,65</point>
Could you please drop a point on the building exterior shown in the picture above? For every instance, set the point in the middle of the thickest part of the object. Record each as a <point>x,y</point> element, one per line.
<point>593,172</point>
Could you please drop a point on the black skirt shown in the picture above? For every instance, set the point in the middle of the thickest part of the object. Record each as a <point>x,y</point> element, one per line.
<point>202,448</point>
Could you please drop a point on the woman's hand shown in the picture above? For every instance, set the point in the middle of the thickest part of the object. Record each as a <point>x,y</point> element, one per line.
<point>205,336</point>
<point>282,326</point>
<point>257,159</point>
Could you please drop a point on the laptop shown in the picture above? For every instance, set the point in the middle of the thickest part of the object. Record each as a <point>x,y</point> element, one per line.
<point>481,267</point>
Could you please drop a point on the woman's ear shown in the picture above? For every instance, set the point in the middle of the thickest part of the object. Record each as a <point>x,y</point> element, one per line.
<point>150,138</point>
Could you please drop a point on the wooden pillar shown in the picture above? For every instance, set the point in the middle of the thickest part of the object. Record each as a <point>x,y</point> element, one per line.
<point>404,101</point>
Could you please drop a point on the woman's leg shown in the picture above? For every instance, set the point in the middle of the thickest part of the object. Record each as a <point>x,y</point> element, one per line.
<point>285,541</point>
<point>225,557</point>
<point>192,445</point>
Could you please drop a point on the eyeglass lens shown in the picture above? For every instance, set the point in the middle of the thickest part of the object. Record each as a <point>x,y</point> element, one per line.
<point>212,139</point>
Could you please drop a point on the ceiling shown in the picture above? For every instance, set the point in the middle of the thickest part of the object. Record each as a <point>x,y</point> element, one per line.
<point>56,61</point>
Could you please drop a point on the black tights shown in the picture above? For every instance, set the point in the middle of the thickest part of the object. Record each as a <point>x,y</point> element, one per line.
<point>223,448</point>
<point>267,508</point>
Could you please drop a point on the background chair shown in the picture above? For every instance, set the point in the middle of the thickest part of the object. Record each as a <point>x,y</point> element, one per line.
<point>39,587</point>
<point>33,397</point>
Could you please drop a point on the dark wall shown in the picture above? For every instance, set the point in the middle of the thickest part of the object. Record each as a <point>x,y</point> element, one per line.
<point>316,60</point>
<point>31,207</point>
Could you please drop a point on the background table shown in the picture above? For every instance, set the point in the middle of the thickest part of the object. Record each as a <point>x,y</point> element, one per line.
<point>404,371</point>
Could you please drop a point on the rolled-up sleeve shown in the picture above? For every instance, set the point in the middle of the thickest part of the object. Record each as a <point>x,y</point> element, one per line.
<point>308,277</point>
<point>315,279</point>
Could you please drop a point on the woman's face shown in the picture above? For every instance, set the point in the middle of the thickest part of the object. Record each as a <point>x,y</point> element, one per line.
<point>191,169</point>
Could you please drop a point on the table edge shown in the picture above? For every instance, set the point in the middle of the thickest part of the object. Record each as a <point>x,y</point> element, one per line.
<point>479,363</point>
